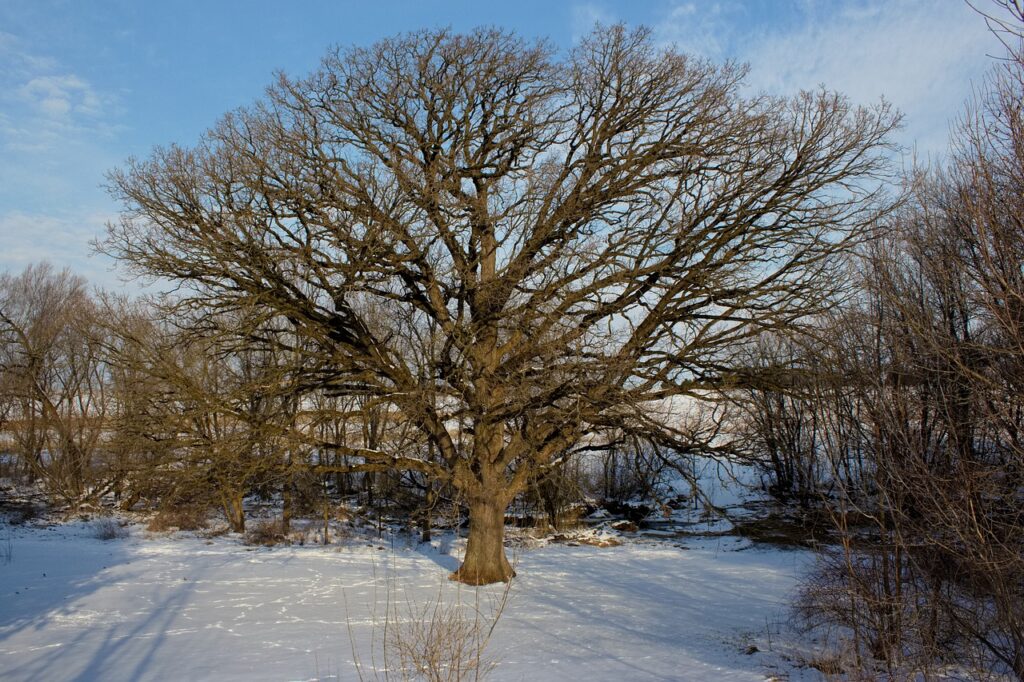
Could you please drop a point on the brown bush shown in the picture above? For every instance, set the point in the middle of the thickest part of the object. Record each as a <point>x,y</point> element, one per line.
<point>267,532</point>
<point>179,518</point>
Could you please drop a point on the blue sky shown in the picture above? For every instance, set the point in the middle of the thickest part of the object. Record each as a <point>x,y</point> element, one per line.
<point>85,85</point>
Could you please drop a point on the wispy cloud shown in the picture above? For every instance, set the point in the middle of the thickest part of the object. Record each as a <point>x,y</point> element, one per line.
<point>588,14</point>
<point>62,238</point>
<point>44,105</point>
<point>922,57</point>
<point>704,28</point>
<point>18,58</point>
<point>61,96</point>
<point>55,126</point>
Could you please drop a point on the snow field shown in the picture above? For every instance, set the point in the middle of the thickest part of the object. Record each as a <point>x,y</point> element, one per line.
<point>182,607</point>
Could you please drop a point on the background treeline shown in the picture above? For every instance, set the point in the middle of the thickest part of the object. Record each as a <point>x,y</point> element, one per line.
<point>104,398</point>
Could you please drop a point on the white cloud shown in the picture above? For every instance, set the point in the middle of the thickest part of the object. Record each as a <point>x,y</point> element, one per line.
<point>54,130</point>
<point>702,28</point>
<point>54,126</point>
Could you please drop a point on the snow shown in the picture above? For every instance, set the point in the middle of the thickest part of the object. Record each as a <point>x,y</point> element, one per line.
<point>181,606</point>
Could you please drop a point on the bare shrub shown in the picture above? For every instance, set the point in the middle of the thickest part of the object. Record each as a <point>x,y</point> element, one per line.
<point>109,529</point>
<point>441,639</point>
<point>299,536</point>
<point>266,532</point>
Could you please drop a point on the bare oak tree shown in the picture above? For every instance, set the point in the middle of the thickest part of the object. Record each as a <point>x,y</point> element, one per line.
<point>517,250</point>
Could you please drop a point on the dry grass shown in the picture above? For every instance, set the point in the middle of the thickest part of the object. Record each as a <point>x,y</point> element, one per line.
<point>827,665</point>
<point>109,529</point>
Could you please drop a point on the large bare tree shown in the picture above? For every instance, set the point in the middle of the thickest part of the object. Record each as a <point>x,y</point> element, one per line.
<point>515,249</point>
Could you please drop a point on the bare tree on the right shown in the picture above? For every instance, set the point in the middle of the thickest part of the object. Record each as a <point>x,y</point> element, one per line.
<point>931,359</point>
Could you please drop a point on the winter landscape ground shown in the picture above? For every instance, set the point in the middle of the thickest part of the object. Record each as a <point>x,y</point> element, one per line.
<point>183,606</point>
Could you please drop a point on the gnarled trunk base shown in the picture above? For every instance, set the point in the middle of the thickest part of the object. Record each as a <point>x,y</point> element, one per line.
<point>485,561</point>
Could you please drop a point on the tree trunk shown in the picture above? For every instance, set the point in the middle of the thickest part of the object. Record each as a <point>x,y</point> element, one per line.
<point>234,511</point>
<point>485,561</point>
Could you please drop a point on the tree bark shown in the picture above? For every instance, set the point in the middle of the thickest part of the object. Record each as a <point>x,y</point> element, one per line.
<point>485,561</point>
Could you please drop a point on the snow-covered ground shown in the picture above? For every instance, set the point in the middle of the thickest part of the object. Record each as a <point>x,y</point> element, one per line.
<point>184,607</point>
